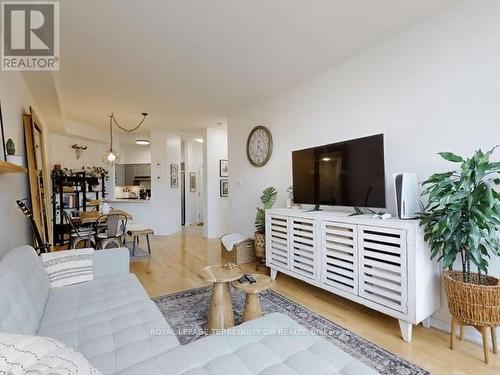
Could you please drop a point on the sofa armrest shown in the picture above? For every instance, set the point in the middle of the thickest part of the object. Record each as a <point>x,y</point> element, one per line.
<point>109,262</point>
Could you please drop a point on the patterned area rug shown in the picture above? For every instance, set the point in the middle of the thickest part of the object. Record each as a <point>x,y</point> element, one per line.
<point>139,253</point>
<point>186,311</point>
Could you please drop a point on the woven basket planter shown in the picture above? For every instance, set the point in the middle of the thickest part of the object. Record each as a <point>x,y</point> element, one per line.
<point>473,304</point>
<point>260,245</point>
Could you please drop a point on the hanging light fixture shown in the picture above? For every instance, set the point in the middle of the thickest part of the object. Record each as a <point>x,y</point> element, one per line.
<point>112,156</point>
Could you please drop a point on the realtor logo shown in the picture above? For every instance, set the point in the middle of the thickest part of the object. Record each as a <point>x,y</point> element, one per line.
<point>30,32</point>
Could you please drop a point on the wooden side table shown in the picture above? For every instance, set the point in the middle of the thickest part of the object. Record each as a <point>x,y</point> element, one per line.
<point>253,309</point>
<point>220,312</point>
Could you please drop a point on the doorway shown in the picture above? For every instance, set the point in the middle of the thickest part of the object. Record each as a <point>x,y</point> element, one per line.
<point>183,193</point>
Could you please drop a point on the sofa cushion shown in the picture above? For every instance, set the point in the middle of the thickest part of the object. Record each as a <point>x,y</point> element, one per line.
<point>69,267</point>
<point>24,288</point>
<point>271,345</point>
<point>109,320</point>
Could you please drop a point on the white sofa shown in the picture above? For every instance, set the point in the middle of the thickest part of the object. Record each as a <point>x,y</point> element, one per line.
<point>114,324</point>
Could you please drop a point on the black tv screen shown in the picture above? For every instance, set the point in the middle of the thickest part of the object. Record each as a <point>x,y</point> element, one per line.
<point>349,173</point>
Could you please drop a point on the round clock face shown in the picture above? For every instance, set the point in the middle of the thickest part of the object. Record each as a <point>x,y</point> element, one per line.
<point>259,146</point>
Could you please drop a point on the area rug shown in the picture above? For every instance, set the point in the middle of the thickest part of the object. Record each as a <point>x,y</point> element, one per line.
<point>138,255</point>
<point>186,311</point>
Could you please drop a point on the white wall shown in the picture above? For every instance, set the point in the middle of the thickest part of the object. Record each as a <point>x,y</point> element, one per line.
<point>165,201</point>
<point>16,100</point>
<point>433,88</point>
<point>135,154</point>
<point>63,154</point>
<point>193,159</point>
<point>215,208</point>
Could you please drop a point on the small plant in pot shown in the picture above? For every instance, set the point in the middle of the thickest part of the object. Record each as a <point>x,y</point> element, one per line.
<point>10,147</point>
<point>268,199</point>
<point>462,221</point>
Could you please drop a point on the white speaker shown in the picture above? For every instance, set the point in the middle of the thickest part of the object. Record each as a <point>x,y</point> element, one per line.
<point>406,189</point>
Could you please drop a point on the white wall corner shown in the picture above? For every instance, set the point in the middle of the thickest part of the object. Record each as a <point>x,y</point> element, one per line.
<point>215,207</point>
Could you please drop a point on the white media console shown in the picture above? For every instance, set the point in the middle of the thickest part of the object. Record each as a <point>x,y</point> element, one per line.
<point>382,264</point>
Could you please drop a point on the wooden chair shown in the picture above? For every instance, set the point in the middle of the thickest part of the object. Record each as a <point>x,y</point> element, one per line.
<point>110,229</point>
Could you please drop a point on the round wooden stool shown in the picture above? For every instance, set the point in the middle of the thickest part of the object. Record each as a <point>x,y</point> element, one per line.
<point>253,309</point>
<point>220,312</point>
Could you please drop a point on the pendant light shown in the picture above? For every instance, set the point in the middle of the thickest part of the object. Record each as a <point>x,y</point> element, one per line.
<point>112,156</point>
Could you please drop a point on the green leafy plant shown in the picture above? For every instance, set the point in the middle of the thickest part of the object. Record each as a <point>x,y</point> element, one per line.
<point>462,216</point>
<point>96,172</point>
<point>268,199</point>
<point>10,147</point>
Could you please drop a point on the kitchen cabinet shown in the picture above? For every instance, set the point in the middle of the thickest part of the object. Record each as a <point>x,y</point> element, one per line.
<point>126,173</point>
<point>119,174</point>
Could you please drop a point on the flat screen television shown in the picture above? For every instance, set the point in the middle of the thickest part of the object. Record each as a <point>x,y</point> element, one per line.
<point>349,173</point>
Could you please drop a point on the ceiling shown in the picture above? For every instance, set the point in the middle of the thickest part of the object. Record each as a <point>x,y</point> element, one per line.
<point>191,63</point>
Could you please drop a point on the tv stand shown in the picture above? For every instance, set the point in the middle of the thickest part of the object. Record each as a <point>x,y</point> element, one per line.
<point>316,208</point>
<point>381,264</point>
<point>361,211</point>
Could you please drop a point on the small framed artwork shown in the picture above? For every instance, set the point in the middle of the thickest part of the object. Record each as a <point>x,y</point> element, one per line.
<point>174,182</point>
<point>192,182</point>
<point>223,168</point>
<point>224,188</point>
<point>174,169</point>
<point>3,151</point>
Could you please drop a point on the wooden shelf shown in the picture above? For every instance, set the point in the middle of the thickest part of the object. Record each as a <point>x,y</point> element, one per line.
<point>6,167</point>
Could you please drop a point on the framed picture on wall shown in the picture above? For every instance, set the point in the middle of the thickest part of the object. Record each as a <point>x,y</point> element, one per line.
<point>192,182</point>
<point>174,169</point>
<point>224,188</point>
<point>3,151</point>
<point>174,182</point>
<point>223,168</point>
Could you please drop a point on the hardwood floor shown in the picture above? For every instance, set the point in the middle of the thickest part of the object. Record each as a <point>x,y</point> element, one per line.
<point>176,260</point>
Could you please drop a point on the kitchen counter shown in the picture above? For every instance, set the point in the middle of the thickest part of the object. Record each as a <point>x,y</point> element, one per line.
<point>118,200</point>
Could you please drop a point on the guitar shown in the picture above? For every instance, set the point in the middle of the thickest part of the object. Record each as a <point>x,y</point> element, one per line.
<point>42,247</point>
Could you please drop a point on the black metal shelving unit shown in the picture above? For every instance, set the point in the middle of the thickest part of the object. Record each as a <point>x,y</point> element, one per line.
<point>70,193</point>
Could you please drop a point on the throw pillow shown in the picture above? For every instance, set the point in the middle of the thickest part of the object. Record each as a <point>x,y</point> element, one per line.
<point>69,266</point>
<point>24,354</point>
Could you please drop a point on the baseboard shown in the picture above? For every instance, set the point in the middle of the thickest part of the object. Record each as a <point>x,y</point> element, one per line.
<point>470,333</point>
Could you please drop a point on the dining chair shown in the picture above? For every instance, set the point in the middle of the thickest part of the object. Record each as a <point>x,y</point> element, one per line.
<point>110,229</point>
<point>77,233</point>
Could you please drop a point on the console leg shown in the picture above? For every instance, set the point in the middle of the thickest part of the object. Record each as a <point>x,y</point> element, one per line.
<point>406,329</point>
<point>274,273</point>
<point>426,323</point>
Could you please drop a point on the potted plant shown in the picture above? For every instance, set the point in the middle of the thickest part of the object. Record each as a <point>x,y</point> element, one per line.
<point>268,198</point>
<point>10,147</point>
<point>462,220</point>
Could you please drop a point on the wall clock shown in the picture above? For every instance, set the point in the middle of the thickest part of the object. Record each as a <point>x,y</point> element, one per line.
<point>259,146</point>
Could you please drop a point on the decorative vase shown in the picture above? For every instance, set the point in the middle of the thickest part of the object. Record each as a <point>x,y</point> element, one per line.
<point>289,202</point>
<point>472,303</point>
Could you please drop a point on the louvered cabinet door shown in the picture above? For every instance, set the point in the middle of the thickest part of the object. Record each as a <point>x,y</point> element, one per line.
<point>382,266</point>
<point>303,247</point>
<point>277,248</point>
<point>339,259</point>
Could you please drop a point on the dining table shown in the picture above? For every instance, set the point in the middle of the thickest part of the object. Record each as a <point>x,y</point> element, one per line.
<point>87,217</point>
